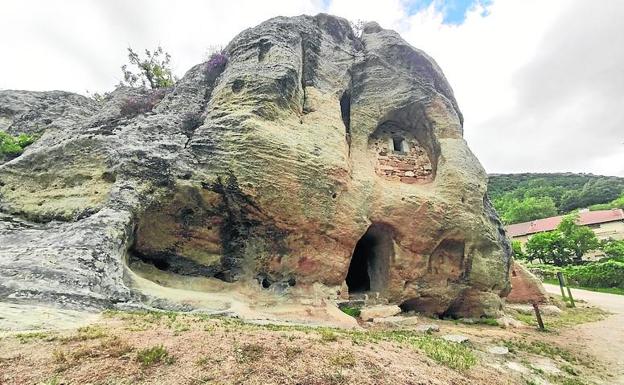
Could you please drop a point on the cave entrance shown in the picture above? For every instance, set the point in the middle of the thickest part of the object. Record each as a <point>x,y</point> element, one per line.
<point>370,261</point>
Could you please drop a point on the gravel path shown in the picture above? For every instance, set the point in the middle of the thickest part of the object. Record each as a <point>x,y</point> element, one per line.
<point>604,339</point>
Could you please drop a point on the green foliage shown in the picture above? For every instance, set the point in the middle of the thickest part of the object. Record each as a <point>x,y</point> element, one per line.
<point>352,311</point>
<point>613,249</point>
<point>609,274</point>
<point>516,248</point>
<point>513,210</point>
<point>565,245</point>
<point>511,194</point>
<point>153,70</point>
<point>617,203</point>
<point>12,146</point>
<point>154,355</point>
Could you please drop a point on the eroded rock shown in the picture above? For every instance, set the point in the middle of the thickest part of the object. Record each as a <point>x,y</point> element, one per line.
<point>313,160</point>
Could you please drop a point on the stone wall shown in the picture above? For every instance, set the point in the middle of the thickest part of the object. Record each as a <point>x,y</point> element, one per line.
<point>401,157</point>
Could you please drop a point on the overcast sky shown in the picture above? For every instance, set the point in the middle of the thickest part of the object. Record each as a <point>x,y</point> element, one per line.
<point>540,82</point>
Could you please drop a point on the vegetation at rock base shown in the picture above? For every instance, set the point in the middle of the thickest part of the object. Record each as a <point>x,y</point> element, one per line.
<point>154,355</point>
<point>352,311</point>
<point>12,146</point>
<point>153,70</point>
<point>525,197</point>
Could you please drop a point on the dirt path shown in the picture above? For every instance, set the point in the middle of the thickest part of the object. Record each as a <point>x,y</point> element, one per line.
<point>604,339</point>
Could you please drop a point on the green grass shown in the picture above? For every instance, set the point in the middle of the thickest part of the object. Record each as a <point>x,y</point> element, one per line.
<point>608,290</point>
<point>24,338</point>
<point>569,317</point>
<point>352,311</point>
<point>541,348</point>
<point>154,355</point>
<point>450,354</point>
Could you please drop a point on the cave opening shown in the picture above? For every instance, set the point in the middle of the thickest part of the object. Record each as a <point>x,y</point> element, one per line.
<point>370,262</point>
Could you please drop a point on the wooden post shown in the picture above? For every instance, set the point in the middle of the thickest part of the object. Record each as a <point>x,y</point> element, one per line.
<point>569,293</point>
<point>561,284</point>
<point>540,323</point>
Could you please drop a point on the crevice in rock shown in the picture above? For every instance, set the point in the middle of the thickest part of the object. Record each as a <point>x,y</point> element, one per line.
<point>345,112</point>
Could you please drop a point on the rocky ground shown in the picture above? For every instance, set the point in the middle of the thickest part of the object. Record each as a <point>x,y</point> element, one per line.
<point>158,348</point>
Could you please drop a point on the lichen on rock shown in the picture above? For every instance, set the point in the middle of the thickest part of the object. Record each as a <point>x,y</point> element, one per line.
<point>311,160</point>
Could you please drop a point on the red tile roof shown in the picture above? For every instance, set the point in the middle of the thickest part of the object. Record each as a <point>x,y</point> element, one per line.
<point>548,224</point>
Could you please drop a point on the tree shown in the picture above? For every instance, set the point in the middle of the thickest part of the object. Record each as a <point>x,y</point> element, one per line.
<point>581,239</point>
<point>515,210</point>
<point>518,253</point>
<point>549,247</point>
<point>613,248</point>
<point>153,70</point>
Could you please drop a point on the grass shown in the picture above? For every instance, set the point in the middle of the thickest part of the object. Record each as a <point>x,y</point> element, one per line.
<point>569,317</point>
<point>24,338</point>
<point>352,311</point>
<point>450,354</point>
<point>343,360</point>
<point>541,348</point>
<point>608,290</point>
<point>248,353</point>
<point>154,355</point>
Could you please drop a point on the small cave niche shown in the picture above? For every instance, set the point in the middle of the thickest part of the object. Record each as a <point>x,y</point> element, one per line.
<point>370,262</point>
<point>448,259</point>
<point>402,154</point>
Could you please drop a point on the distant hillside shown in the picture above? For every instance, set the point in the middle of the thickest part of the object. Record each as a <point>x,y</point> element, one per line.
<point>525,197</point>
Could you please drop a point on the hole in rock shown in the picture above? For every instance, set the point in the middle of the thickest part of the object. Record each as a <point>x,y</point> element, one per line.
<point>161,264</point>
<point>345,110</point>
<point>399,144</point>
<point>370,262</point>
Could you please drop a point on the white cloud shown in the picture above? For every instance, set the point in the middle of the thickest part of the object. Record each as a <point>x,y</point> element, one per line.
<point>539,82</point>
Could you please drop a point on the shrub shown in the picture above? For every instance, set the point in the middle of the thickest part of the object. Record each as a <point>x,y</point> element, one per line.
<point>13,146</point>
<point>154,355</point>
<point>593,275</point>
<point>215,65</point>
<point>153,70</point>
<point>352,311</point>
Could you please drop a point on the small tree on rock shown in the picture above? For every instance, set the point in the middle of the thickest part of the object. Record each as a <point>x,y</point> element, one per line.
<point>153,71</point>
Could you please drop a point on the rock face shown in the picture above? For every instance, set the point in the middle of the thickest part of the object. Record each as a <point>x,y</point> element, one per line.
<point>525,287</point>
<point>311,159</point>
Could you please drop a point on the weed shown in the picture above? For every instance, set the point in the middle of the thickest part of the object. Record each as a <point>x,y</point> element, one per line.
<point>344,360</point>
<point>540,348</point>
<point>52,381</point>
<point>155,354</point>
<point>328,336</point>
<point>24,338</point>
<point>115,347</point>
<point>352,311</point>
<point>248,353</point>
<point>292,351</point>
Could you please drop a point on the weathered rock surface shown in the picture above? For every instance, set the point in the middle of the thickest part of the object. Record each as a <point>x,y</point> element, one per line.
<point>369,313</point>
<point>313,161</point>
<point>525,287</point>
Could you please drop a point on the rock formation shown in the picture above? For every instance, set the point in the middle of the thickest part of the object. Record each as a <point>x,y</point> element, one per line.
<point>310,161</point>
<point>525,287</point>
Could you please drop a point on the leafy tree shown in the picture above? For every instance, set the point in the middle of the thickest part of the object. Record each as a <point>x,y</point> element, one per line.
<point>613,248</point>
<point>516,248</point>
<point>153,71</point>
<point>581,239</point>
<point>549,247</point>
<point>514,210</point>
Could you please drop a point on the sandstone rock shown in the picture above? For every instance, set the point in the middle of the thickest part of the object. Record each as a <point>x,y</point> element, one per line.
<point>369,313</point>
<point>525,287</point>
<point>429,328</point>
<point>456,338</point>
<point>509,322</point>
<point>549,310</point>
<point>312,160</point>
<point>498,350</point>
<point>397,320</point>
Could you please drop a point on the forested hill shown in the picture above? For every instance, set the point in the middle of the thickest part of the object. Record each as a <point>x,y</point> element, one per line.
<point>525,197</point>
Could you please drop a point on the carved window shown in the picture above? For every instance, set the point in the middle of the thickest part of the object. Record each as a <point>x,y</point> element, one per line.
<point>398,144</point>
